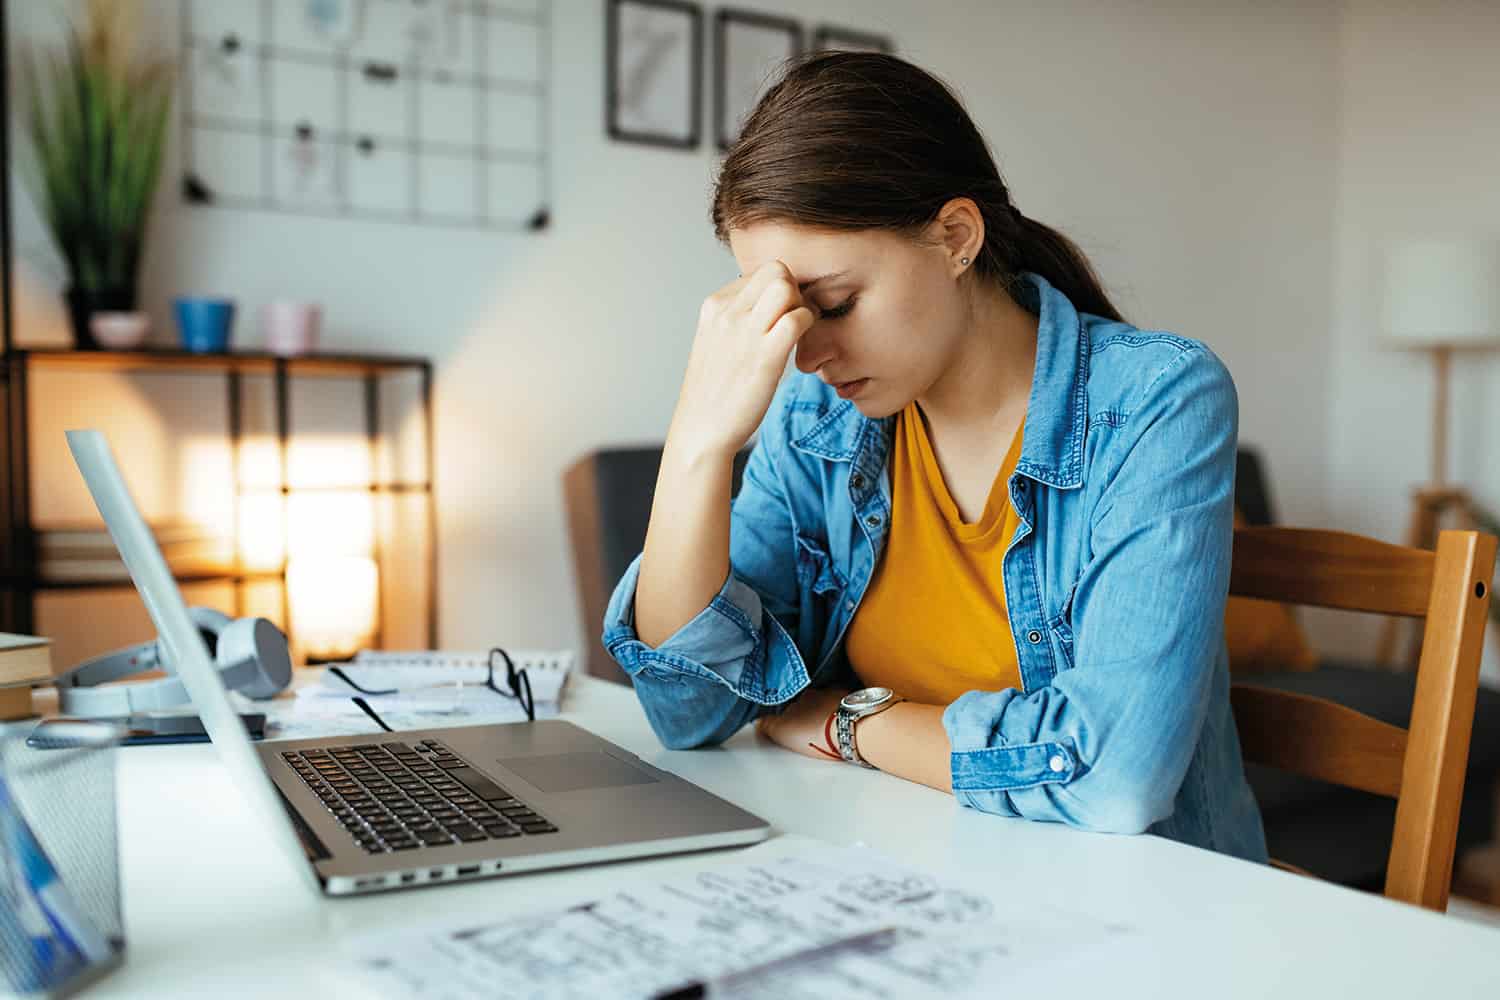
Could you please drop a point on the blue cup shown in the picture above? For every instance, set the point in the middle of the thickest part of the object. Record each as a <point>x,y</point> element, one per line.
<point>204,324</point>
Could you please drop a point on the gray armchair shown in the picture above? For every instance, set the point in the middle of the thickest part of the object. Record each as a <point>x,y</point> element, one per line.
<point>608,499</point>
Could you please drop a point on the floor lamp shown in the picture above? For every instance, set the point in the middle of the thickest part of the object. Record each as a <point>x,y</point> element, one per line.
<point>1441,297</point>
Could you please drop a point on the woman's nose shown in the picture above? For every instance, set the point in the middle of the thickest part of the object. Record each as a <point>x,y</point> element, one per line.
<point>813,350</point>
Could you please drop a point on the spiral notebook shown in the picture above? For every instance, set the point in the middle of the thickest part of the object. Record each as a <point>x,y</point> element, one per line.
<point>413,670</point>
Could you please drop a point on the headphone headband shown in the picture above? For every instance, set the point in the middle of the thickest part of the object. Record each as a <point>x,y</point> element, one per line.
<point>251,653</point>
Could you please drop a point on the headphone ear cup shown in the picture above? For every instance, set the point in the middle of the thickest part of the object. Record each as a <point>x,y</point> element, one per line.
<point>211,619</point>
<point>256,639</point>
<point>211,623</point>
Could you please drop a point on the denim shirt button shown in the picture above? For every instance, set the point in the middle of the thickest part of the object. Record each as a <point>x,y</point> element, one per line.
<point>857,481</point>
<point>1057,764</point>
<point>873,520</point>
<point>849,606</point>
<point>1033,637</point>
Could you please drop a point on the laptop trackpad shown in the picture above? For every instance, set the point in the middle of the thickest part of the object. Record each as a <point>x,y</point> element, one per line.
<point>569,772</point>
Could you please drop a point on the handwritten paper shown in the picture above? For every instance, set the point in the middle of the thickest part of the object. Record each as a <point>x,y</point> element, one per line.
<point>940,939</point>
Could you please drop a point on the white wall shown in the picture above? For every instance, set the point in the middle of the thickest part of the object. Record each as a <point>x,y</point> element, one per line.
<point>1190,148</point>
<point>1418,155</point>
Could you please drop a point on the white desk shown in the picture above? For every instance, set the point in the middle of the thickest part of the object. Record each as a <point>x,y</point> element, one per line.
<point>211,910</point>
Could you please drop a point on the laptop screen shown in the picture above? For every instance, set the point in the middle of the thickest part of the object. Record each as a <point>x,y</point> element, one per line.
<point>181,640</point>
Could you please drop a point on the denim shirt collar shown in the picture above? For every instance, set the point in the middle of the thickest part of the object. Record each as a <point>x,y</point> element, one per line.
<point>1056,414</point>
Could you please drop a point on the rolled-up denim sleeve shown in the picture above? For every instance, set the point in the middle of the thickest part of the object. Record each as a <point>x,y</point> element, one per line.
<point>1105,746</point>
<point>736,657</point>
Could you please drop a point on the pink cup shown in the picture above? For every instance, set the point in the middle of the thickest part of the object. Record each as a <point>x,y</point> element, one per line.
<point>290,327</point>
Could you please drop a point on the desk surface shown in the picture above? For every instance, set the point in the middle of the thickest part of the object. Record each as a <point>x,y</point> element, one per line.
<point>212,910</point>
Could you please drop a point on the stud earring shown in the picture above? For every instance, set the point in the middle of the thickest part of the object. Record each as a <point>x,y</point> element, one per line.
<point>964,261</point>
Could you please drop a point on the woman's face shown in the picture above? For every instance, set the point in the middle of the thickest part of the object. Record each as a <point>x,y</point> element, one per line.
<point>888,309</point>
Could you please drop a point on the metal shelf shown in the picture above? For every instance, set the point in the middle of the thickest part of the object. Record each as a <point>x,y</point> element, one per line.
<point>20,578</point>
<point>40,583</point>
<point>159,359</point>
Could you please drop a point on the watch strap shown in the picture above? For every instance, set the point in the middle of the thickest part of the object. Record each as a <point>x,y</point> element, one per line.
<point>845,730</point>
<point>844,725</point>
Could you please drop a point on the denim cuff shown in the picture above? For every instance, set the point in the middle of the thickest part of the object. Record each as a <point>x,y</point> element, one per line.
<point>724,642</point>
<point>985,767</point>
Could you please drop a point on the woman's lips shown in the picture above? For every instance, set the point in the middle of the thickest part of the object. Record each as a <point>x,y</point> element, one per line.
<point>848,390</point>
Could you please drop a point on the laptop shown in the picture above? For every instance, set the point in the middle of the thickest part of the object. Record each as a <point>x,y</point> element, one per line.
<point>391,810</point>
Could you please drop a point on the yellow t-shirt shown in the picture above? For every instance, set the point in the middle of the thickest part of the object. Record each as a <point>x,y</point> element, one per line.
<point>933,624</point>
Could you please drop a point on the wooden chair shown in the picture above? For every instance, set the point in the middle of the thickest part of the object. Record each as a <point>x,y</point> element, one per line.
<point>1422,767</point>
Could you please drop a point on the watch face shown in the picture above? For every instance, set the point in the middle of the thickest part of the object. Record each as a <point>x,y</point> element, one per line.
<point>866,698</point>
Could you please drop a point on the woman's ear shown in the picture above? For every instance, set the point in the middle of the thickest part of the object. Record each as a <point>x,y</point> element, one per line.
<point>959,227</point>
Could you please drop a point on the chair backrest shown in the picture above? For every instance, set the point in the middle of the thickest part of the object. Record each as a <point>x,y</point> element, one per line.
<point>608,497</point>
<point>1252,490</point>
<point>1422,767</point>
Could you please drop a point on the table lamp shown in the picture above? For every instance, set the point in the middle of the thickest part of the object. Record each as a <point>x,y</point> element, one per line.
<point>1439,296</point>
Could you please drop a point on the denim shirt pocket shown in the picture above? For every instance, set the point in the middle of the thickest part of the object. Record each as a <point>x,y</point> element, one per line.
<point>816,574</point>
<point>1061,629</point>
<point>822,588</point>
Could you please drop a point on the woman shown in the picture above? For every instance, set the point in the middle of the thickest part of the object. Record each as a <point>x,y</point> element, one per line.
<point>987,503</point>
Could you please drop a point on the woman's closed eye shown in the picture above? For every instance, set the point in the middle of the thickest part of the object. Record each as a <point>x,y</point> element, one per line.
<point>834,312</point>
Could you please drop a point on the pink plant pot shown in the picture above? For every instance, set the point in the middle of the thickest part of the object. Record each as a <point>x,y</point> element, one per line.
<point>291,327</point>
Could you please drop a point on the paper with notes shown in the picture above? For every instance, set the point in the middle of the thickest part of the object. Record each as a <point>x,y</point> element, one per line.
<point>828,922</point>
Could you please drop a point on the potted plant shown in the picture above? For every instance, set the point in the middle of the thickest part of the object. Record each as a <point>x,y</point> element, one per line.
<point>97,119</point>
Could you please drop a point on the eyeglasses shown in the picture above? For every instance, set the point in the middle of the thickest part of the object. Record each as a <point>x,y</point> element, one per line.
<point>515,679</point>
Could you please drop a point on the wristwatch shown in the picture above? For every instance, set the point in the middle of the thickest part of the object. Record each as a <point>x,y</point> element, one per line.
<point>857,705</point>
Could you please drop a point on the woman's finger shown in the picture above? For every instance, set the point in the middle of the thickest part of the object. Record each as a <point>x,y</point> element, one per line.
<point>777,298</point>
<point>787,330</point>
<point>750,291</point>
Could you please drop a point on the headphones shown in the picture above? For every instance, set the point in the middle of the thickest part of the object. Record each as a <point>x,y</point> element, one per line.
<point>251,655</point>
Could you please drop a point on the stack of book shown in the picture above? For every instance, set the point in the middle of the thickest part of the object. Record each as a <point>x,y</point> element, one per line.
<point>73,553</point>
<point>25,660</point>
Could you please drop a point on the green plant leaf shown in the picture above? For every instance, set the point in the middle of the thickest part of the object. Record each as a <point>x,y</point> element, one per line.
<point>98,132</point>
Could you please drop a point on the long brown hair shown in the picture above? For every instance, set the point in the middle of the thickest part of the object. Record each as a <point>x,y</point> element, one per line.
<point>864,140</point>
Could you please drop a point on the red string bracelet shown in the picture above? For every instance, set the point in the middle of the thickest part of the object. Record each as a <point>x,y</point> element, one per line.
<point>828,738</point>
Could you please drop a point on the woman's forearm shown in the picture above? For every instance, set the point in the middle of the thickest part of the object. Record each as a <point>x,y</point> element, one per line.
<point>686,556</point>
<point>909,741</point>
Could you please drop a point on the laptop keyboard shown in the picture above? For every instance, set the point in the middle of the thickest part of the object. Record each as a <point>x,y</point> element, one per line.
<point>398,797</point>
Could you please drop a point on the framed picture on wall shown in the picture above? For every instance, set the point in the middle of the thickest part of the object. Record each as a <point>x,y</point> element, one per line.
<point>654,72</point>
<point>748,49</point>
<point>829,37</point>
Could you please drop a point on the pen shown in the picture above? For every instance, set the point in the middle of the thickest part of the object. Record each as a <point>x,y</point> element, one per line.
<point>700,989</point>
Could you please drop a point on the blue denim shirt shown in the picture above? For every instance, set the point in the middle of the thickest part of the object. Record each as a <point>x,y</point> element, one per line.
<point>1115,584</point>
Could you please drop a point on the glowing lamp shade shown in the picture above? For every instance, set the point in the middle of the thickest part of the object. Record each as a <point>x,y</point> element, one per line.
<point>332,600</point>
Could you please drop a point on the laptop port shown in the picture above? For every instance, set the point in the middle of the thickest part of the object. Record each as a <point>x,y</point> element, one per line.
<point>468,869</point>
<point>408,877</point>
<point>435,873</point>
<point>371,882</point>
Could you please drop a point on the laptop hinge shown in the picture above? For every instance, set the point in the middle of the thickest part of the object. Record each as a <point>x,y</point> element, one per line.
<point>311,845</point>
